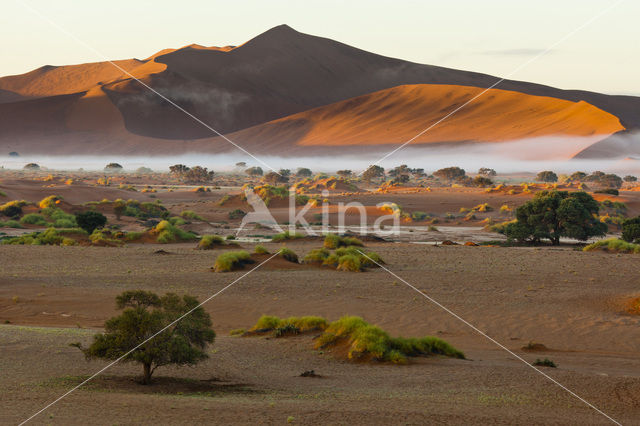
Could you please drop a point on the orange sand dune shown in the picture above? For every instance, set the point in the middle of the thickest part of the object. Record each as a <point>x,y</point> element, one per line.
<point>51,81</point>
<point>398,114</point>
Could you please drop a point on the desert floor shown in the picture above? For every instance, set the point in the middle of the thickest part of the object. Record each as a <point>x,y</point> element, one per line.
<point>572,302</point>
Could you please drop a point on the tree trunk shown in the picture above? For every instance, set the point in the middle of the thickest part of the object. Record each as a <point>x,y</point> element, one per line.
<point>146,378</point>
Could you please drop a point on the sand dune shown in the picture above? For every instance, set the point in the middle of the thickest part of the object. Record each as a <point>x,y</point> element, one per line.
<point>285,89</point>
<point>51,81</point>
<point>398,114</point>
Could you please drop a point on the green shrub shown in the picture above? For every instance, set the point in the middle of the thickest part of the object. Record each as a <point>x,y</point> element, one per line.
<point>544,363</point>
<point>237,332</point>
<point>177,221</point>
<point>12,208</point>
<point>333,241</point>
<point>631,230</point>
<point>365,340</point>
<point>288,254</point>
<point>613,245</point>
<point>259,249</point>
<point>419,216</point>
<point>132,236</point>
<point>286,235</point>
<point>167,233</point>
<point>11,224</point>
<point>349,262</point>
<point>49,201</point>
<point>34,219</point>
<point>316,256</point>
<point>64,223</point>
<point>303,324</point>
<point>209,242</point>
<point>191,215</point>
<point>100,237</point>
<point>231,260</point>
<point>610,191</point>
<point>3,194</point>
<point>51,236</point>
<point>237,214</point>
<point>90,220</point>
<point>287,330</point>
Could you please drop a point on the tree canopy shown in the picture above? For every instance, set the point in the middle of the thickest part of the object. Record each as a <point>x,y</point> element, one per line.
<point>631,230</point>
<point>547,176</point>
<point>145,314</point>
<point>555,214</point>
<point>373,172</point>
<point>450,173</point>
<point>90,220</point>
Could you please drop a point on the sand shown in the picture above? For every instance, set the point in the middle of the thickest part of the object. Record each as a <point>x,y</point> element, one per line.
<point>574,306</point>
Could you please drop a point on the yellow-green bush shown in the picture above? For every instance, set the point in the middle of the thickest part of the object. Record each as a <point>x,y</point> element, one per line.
<point>168,233</point>
<point>613,245</point>
<point>209,242</point>
<point>231,260</point>
<point>288,254</point>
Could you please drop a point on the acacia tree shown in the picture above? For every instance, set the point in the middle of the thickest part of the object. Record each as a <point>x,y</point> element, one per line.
<point>274,178</point>
<point>547,176</point>
<point>303,172</point>
<point>254,171</point>
<point>145,314</point>
<point>554,214</point>
<point>373,172</point>
<point>485,171</point>
<point>450,173</point>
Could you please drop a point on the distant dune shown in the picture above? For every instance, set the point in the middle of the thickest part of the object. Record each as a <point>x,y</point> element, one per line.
<point>398,114</point>
<point>285,89</point>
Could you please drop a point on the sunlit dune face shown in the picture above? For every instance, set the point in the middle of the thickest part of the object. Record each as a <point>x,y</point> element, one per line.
<point>398,114</point>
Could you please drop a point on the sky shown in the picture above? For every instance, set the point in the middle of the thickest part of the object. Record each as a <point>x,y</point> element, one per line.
<point>491,36</point>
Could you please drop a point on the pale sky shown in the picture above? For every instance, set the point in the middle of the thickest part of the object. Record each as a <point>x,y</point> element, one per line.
<point>490,36</point>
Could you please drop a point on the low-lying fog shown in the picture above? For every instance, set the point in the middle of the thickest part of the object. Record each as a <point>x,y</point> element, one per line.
<point>528,156</point>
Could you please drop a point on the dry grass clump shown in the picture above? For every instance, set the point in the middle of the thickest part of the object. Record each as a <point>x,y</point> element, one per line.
<point>286,235</point>
<point>613,245</point>
<point>333,241</point>
<point>232,260</point>
<point>209,242</point>
<point>168,233</point>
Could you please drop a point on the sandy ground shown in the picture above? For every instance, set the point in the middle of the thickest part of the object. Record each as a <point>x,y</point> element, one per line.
<point>575,305</point>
